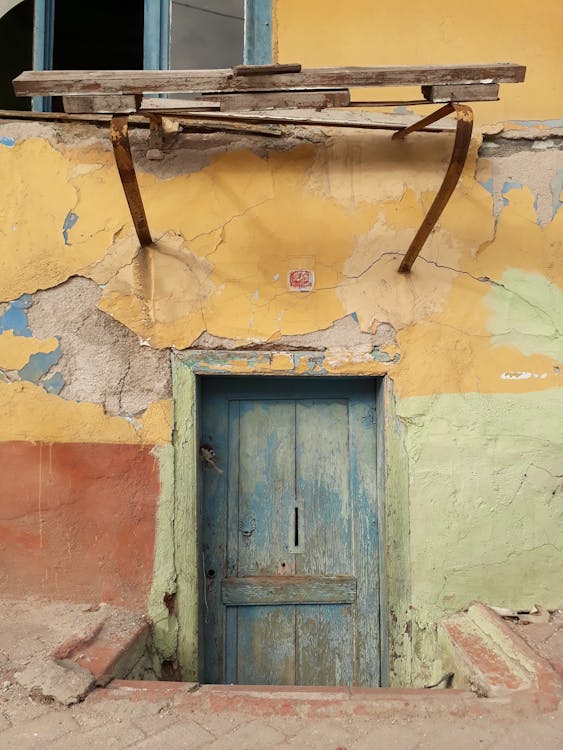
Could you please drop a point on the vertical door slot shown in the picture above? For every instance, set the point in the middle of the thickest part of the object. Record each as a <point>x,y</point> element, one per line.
<point>296,534</point>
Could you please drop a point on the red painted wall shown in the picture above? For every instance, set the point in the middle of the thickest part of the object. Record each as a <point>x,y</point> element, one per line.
<point>77,521</point>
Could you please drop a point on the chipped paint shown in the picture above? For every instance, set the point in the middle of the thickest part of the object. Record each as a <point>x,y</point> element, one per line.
<point>28,412</point>
<point>70,220</point>
<point>470,340</point>
<point>15,351</point>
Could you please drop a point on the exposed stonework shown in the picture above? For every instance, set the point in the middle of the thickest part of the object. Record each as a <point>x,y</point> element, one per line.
<point>102,361</point>
<point>344,332</point>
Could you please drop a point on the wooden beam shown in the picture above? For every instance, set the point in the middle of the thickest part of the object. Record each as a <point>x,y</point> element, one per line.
<point>152,104</point>
<point>281,100</point>
<point>476,92</point>
<point>274,590</point>
<point>112,104</point>
<point>327,119</point>
<point>61,82</point>
<point>273,69</point>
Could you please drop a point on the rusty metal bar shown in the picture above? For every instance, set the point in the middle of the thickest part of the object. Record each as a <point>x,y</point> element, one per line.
<point>422,123</point>
<point>464,115</point>
<point>126,169</point>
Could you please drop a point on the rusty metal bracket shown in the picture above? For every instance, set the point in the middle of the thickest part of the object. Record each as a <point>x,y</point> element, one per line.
<point>126,168</point>
<point>464,128</point>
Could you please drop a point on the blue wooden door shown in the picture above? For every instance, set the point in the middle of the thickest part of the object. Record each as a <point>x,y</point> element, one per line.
<point>289,531</point>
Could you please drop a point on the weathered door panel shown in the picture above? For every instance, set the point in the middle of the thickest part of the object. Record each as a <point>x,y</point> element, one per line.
<point>289,527</point>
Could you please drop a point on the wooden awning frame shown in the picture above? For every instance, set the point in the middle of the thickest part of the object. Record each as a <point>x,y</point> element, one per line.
<point>121,94</point>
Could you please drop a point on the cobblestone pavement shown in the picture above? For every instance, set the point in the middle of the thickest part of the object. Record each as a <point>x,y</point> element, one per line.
<point>103,723</point>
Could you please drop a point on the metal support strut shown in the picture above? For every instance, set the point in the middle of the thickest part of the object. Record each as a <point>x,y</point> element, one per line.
<point>464,128</point>
<point>126,169</point>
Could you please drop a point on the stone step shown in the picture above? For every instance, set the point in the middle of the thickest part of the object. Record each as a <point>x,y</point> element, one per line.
<point>491,658</point>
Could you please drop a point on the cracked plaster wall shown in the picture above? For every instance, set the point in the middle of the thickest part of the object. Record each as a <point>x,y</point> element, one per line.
<point>471,339</point>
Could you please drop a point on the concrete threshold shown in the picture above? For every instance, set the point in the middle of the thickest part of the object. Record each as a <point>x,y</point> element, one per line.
<point>302,701</point>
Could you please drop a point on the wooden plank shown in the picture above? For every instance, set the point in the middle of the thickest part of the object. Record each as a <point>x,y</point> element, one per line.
<point>281,100</point>
<point>329,119</point>
<point>269,69</point>
<point>104,104</point>
<point>221,424</point>
<point>153,104</point>
<point>226,127</point>
<point>275,590</point>
<point>265,646</point>
<point>266,486</point>
<point>265,650</point>
<point>363,489</point>
<point>325,633</point>
<point>476,92</point>
<point>61,82</point>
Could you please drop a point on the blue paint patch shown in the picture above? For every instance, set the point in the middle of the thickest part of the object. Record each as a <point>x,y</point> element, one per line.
<point>510,186</point>
<point>556,188</point>
<point>488,185</point>
<point>401,109</point>
<point>546,123</point>
<point>355,317</point>
<point>15,317</point>
<point>54,384</point>
<point>536,209</point>
<point>39,365</point>
<point>70,221</point>
<point>381,356</point>
<point>7,141</point>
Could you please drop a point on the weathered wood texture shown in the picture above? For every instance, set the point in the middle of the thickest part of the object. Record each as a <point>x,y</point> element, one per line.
<point>289,590</point>
<point>335,119</point>
<point>281,100</point>
<point>478,92</point>
<point>61,82</point>
<point>289,528</point>
<point>153,104</point>
<point>104,104</point>
<point>273,69</point>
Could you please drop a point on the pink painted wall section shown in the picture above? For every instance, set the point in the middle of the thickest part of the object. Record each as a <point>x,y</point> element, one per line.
<point>77,521</point>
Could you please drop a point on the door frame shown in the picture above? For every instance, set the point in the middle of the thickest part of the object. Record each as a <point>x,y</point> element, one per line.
<point>188,368</point>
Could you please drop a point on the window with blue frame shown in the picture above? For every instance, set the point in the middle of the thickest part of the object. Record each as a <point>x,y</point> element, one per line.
<point>129,35</point>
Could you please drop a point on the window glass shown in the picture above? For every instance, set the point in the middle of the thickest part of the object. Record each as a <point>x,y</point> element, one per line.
<point>16,52</point>
<point>206,34</point>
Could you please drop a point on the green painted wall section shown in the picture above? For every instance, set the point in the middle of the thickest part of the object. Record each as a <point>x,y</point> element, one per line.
<point>393,476</point>
<point>527,313</point>
<point>486,517</point>
<point>185,519</point>
<point>165,623</point>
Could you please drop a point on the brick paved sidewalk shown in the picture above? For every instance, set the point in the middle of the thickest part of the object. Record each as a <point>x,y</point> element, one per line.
<point>104,723</point>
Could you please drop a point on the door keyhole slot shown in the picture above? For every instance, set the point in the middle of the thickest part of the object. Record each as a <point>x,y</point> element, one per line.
<point>296,528</point>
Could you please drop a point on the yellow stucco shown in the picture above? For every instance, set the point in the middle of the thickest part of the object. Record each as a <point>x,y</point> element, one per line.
<point>228,234</point>
<point>15,351</point>
<point>27,412</point>
<point>363,32</point>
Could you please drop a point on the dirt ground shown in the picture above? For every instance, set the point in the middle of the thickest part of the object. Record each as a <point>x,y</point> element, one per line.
<point>28,633</point>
